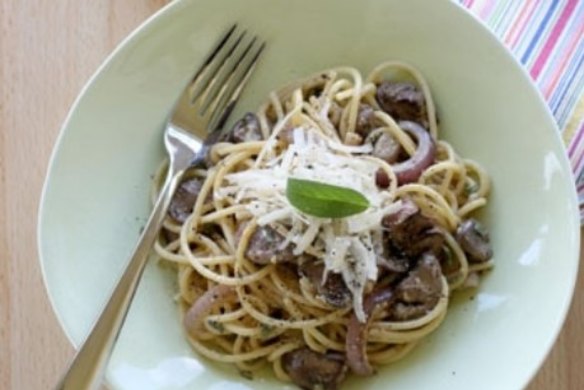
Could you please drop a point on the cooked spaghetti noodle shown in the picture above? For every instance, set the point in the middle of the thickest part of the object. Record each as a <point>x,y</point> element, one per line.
<point>254,312</point>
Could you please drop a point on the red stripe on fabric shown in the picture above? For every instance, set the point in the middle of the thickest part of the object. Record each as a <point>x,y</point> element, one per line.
<point>559,71</point>
<point>522,23</point>
<point>576,166</point>
<point>576,140</point>
<point>518,22</point>
<point>579,160</point>
<point>553,39</point>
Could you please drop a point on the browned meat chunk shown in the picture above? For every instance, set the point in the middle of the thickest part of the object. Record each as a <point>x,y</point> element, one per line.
<point>334,291</point>
<point>246,129</point>
<point>419,292</point>
<point>389,259</point>
<point>181,205</point>
<point>474,241</point>
<point>366,120</point>
<point>312,370</point>
<point>411,232</point>
<point>264,247</point>
<point>382,179</point>
<point>393,263</point>
<point>403,101</point>
<point>407,210</point>
<point>405,312</point>
<point>423,283</point>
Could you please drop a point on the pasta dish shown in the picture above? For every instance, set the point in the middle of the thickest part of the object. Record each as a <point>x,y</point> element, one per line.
<point>328,230</point>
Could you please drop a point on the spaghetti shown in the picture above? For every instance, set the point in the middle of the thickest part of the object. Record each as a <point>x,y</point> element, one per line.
<point>262,283</point>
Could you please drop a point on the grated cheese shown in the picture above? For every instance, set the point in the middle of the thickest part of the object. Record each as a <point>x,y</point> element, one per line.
<point>275,215</point>
<point>308,237</point>
<point>347,246</point>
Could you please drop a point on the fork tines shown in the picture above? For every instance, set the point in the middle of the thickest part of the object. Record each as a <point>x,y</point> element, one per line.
<point>218,84</point>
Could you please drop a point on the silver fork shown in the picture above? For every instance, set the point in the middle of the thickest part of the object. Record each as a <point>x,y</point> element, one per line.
<point>201,111</point>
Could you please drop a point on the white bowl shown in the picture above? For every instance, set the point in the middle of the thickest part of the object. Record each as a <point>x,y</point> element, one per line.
<point>96,194</point>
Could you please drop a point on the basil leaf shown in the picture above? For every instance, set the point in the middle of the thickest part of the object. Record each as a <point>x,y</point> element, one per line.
<point>324,200</point>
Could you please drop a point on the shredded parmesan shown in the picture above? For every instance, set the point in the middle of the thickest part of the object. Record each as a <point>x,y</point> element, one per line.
<point>336,253</point>
<point>346,245</point>
<point>274,216</point>
<point>308,236</point>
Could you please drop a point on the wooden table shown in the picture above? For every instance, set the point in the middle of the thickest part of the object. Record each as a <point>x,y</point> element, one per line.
<point>48,49</point>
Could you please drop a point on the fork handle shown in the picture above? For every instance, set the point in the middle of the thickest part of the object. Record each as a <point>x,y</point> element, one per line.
<point>88,366</point>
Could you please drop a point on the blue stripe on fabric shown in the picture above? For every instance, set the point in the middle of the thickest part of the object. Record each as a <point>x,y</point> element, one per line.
<point>559,90</point>
<point>568,75</point>
<point>539,31</point>
<point>566,112</point>
<point>529,32</point>
<point>567,90</point>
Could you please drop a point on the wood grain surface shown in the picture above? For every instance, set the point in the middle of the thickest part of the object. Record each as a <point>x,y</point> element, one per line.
<point>48,50</point>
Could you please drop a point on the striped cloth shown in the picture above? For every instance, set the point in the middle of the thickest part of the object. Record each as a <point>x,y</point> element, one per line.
<point>547,37</point>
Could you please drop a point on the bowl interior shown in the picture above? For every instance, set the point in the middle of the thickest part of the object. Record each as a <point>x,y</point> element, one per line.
<point>97,192</point>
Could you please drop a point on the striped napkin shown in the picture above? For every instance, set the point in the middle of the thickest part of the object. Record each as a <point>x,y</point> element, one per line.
<point>547,37</point>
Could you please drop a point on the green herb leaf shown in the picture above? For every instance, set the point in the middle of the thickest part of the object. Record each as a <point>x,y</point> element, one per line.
<point>324,200</point>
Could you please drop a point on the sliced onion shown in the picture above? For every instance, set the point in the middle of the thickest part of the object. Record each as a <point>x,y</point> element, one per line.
<point>196,314</point>
<point>411,169</point>
<point>356,344</point>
